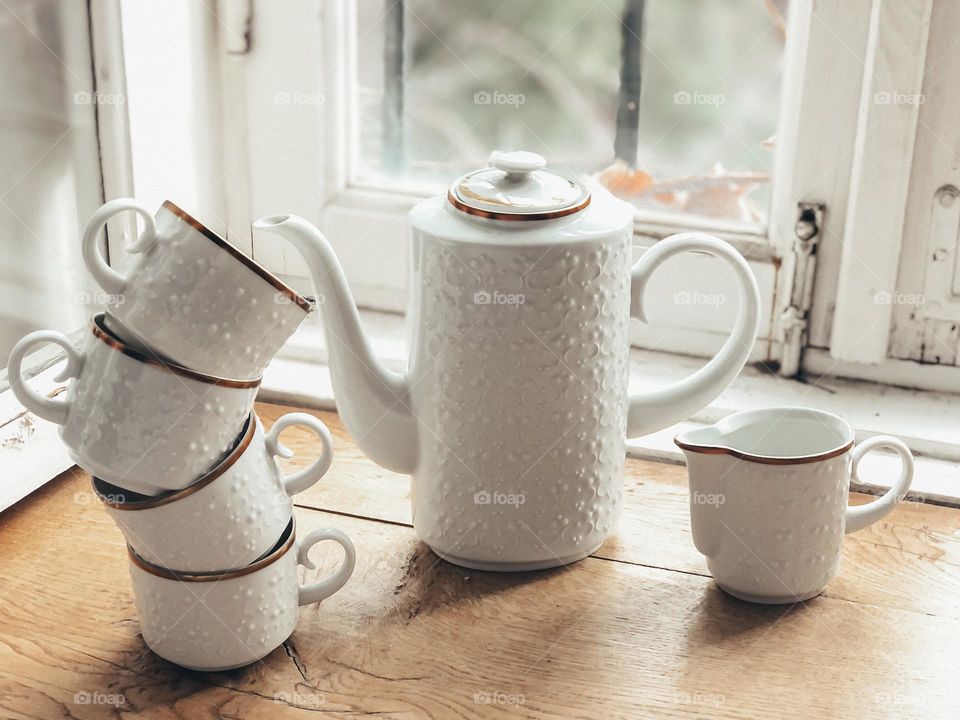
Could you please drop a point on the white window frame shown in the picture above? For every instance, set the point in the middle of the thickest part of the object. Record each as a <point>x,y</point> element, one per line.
<point>860,157</point>
<point>829,144</point>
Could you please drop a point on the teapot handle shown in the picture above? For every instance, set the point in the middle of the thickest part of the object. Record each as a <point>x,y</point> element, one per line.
<point>656,409</point>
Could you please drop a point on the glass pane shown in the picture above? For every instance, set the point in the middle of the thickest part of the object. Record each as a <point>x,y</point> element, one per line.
<point>49,178</point>
<point>476,77</point>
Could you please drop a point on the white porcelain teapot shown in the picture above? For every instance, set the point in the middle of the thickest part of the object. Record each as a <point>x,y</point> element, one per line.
<point>513,413</point>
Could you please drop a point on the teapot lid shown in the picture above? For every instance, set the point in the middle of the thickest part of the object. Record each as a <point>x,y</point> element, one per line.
<point>516,187</point>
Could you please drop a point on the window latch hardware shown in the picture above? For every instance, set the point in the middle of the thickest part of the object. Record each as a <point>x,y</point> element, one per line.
<point>793,320</point>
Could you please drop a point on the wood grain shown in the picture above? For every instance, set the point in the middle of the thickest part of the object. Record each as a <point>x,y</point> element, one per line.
<point>637,631</point>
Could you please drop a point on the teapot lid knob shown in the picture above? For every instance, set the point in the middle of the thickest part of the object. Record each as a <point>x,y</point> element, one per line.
<point>518,163</point>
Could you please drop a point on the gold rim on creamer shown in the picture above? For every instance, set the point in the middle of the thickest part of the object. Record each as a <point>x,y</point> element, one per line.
<point>763,459</point>
<point>102,333</point>
<point>109,498</point>
<point>280,549</point>
<point>277,283</point>
<point>495,215</point>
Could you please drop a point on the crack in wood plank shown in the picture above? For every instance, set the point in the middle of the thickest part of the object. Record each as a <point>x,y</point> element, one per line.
<point>294,655</point>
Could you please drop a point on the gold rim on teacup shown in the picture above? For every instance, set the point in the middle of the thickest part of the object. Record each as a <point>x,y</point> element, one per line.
<point>763,459</point>
<point>845,444</point>
<point>280,548</point>
<point>277,283</point>
<point>102,333</point>
<point>116,497</point>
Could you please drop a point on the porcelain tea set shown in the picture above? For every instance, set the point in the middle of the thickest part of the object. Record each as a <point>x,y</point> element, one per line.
<point>511,418</point>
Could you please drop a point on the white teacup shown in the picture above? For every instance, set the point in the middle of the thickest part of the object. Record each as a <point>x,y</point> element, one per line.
<point>768,499</point>
<point>228,518</point>
<point>132,420</point>
<point>191,297</point>
<point>221,621</point>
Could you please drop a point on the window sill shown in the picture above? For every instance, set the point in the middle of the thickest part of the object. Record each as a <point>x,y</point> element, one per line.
<point>31,452</point>
<point>928,422</point>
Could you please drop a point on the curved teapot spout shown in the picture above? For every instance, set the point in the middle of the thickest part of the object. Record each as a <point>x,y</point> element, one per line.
<point>373,401</point>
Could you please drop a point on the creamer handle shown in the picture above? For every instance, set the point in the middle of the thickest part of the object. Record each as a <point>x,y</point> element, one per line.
<point>860,516</point>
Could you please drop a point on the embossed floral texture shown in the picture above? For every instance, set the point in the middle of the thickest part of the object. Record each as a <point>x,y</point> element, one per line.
<point>235,519</point>
<point>778,532</point>
<point>141,426</point>
<point>527,350</point>
<point>221,624</point>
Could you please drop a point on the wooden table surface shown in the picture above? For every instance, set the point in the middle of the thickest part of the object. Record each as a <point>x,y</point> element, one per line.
<point>637,630</point>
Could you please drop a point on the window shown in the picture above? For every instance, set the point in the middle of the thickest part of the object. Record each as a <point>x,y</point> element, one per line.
<point>672,105</point>
<point>737,118</point>
<point>50,175</point>
<point>311,149</point>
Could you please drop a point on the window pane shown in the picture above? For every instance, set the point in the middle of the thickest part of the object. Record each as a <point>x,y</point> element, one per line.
<point>479,76</point>
<point>49,178</point>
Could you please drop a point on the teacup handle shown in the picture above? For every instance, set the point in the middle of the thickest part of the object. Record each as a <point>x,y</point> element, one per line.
<point>47,408</point>
<point>106,277</point>
<point>315,592</point>
<point>860,516</point>
<point>657,409</point>
<point>297,482</point>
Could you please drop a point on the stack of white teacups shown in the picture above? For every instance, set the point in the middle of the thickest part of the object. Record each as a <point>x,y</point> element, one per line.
<point>160,411</point>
